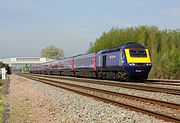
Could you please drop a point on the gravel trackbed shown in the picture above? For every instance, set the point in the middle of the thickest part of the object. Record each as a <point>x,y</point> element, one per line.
<point>34,102</point>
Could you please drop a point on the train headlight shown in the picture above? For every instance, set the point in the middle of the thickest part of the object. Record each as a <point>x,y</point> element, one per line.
<point>148,64</point>
<point>132,64</point>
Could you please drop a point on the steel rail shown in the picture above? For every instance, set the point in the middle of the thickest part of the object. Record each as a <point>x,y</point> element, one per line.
<point>162,83</point>
<point>164,80</point>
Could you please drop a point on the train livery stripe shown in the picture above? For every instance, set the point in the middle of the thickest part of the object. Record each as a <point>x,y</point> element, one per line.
<point>137,59</point>
<point>94,62</point>
<point>73,64</point>
<point>59,66</point>
<point>50,67</point>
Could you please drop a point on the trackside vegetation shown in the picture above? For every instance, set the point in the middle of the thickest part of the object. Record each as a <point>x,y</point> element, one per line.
<point>52,52</point>
<point>164,46</point>
<point>1,100</point>
<point>4,65</point>
<point>3,90</point>
<point>1,109</point>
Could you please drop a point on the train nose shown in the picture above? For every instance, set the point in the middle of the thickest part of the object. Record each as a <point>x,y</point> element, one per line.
<point>138,70</point>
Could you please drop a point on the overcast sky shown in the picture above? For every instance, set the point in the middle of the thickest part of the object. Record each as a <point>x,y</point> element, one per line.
<point>27,26</point>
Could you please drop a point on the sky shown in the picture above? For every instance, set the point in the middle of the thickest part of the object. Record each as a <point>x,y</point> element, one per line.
<point>28,26</point>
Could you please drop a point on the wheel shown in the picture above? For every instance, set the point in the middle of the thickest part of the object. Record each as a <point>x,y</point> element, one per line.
<point>99,75</point>
<point>104,76</point>
<point>123,76</point>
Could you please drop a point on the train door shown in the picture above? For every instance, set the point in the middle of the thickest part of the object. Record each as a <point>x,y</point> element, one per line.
<point>104,62</point>
<point>121,58</point>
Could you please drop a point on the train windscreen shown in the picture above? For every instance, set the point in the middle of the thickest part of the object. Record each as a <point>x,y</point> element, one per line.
<point>138,53</point>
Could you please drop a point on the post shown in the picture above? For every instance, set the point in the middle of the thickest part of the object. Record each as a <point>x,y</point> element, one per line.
<point>3,73</point>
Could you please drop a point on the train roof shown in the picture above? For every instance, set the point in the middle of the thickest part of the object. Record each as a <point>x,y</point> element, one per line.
<point>134,45</point>
<point>128,45</point>
<point>86,55</point>
<point>111,50</point>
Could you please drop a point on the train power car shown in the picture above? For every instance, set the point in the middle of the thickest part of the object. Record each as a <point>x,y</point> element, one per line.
<point>127,62</point>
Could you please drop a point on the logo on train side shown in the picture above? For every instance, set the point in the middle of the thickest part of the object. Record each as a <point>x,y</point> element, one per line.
<point>112,57</point>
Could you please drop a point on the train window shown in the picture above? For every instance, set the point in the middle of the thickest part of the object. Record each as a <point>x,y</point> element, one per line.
<point>137,53</point>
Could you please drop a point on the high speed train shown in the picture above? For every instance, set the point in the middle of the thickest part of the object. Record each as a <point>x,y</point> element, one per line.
<point>127,62</point>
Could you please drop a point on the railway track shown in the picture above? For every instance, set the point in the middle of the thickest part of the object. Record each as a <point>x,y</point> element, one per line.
<point>117,84</point>
<point>119,99</point>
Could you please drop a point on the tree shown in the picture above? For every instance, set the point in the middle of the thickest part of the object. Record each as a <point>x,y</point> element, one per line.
<point>52,52</point>
<point>3,65</point>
